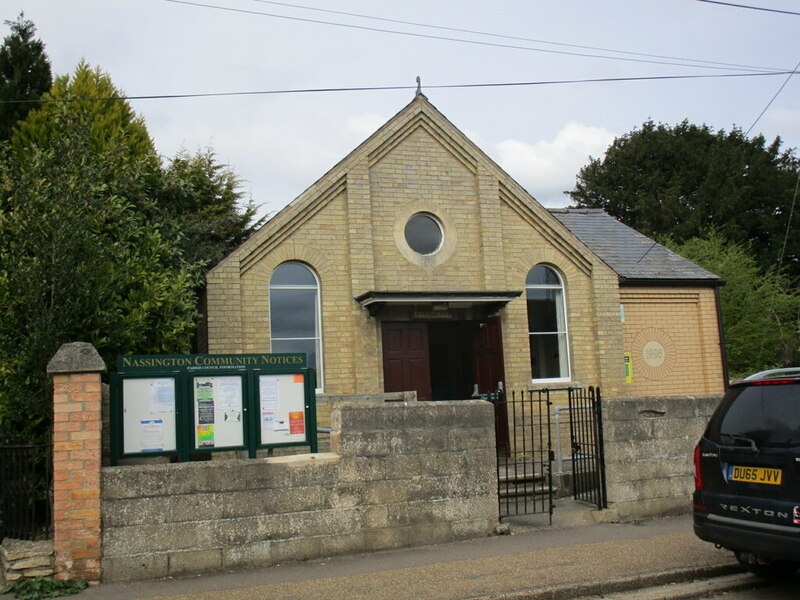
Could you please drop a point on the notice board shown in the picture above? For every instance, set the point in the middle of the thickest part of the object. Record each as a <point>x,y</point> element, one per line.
<point>282,408</point>
<point>218,411</point>
<point>191,404</point>
<point>148,415</point>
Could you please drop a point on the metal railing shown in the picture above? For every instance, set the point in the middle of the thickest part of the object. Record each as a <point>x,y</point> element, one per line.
<point>525,437</point>
<point>588,451</point>
<point>26,497</point>
<point>524,453</point>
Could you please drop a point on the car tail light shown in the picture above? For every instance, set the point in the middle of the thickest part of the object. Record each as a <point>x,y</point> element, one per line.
<point>698,479</point>
<point>774,381</point>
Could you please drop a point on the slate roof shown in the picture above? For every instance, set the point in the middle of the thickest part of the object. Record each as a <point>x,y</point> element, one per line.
<point>634,256</point>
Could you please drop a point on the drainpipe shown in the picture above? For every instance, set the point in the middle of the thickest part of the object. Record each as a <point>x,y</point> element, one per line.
<point>723,352</point>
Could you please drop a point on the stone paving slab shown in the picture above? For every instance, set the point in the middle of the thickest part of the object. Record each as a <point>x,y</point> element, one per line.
<point>540,562</point>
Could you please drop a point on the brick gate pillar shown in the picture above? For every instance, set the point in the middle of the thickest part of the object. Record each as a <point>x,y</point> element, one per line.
<point>76,370</point>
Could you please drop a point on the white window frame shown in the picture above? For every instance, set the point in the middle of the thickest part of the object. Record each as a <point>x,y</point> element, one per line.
<point>318,317</point>
<point>562,317</point>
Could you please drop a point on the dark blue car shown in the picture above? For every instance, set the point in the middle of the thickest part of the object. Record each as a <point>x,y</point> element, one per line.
<point>747,474</point>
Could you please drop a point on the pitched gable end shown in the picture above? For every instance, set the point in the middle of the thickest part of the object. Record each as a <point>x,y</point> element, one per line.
<point>423,121</point>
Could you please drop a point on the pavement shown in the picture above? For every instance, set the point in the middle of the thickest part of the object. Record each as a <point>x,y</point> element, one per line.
<point>575,557</point>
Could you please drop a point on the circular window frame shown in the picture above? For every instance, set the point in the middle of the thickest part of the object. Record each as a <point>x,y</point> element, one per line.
<point>446,226</point>
<point>430,217</point>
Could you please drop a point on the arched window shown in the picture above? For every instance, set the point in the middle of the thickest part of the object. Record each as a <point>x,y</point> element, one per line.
<point>547,324</point>
<point>294,313</point>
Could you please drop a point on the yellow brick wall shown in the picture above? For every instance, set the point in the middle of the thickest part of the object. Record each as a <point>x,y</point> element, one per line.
<point>321,244</point>
<point>223,304</point>
<point>673,340</point>
<point>348,228</point>
<point>419,175</point>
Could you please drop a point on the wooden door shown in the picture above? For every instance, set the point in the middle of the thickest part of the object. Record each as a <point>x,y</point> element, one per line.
<point>487,345</point>
<point>406,363</point>
<point>490,371</point>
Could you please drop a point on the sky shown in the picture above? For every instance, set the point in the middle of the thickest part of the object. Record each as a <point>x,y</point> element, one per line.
<point>279,144</point>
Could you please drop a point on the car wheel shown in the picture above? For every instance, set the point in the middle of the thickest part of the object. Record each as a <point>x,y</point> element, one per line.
<point>765,567</point>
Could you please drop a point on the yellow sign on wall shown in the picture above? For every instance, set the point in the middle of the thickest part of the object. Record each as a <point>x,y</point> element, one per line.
<point>628,368</point>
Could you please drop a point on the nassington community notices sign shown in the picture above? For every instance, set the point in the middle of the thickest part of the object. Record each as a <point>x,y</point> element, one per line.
<point>192,404</point>
<point>195,362</point>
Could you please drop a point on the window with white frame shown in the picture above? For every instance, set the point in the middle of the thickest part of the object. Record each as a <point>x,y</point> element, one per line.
<point>294,313</point>
<point>547,324</point>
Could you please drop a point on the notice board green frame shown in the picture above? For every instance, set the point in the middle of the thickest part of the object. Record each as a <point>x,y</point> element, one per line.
<point>194,404</point>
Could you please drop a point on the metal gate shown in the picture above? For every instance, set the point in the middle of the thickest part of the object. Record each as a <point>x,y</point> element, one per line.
<point>26,492</point>
<point>525,435</point>
<point>524,452</point>
<point>586,437</point>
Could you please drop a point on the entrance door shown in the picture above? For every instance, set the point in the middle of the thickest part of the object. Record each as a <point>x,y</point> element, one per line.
<point>442,361</point>
<point>452,360</point>
<point>406,363</point>
<point>487,344</point>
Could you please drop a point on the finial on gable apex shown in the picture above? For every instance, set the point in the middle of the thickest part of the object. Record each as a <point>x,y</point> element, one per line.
<point>419,87</point>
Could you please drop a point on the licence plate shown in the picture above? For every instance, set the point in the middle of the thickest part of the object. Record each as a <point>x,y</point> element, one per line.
<point>755,474</point>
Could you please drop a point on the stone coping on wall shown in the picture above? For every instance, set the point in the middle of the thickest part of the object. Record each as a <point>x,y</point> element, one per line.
<point>366,398</point>
<point>621,408</point>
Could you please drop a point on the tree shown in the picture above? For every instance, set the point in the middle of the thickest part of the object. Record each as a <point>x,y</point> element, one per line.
<point>760,310</point>
<point>682,180</point>
<point>98,241</point>
<point>202,201</point>
<point>194,200</point>
<point>24,73</point>
<point>79,261</point>
<point>113,123</point>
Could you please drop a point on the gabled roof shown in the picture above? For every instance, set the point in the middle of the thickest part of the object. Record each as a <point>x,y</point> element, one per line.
<point>418,114</point>
<point>634,256</point>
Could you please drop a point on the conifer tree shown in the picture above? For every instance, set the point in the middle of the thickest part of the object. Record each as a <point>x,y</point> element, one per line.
<point>24,73</point>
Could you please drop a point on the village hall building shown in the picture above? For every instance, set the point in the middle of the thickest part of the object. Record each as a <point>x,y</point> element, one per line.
<point>417,263</point>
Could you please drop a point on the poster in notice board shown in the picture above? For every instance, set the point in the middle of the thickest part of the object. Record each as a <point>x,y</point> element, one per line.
<point>218,411</point>
<point>281,404</point>
<point>148,415</point>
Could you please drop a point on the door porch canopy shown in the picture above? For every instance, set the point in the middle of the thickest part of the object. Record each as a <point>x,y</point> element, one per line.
<point>488,302</point>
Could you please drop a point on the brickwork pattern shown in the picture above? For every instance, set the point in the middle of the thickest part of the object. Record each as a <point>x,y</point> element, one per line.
<point>348,227</point>
<point>684,323</point>
<point>76,475</point>
<point>223,304</point>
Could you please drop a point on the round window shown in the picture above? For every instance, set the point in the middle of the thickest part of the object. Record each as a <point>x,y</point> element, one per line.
<point>424,233</point>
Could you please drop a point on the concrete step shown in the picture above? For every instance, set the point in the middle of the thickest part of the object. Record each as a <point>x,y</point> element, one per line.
<point>529,489</point>
<point>520,472</point>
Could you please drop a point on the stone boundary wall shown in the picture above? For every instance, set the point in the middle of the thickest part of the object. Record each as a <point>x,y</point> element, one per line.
<point>20,559</point>
<point>649,445</point>
<point>326,403</point>
<point>398,475</point>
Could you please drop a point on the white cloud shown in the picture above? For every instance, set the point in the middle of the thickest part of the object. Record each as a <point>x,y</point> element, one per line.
<point>548,167</point>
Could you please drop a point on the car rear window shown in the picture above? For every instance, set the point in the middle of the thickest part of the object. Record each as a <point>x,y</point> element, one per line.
<point>769,415</point>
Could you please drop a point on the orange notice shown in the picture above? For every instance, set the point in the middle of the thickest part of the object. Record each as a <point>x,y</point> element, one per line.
<point>298,378</point>
<point>297,422</point>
